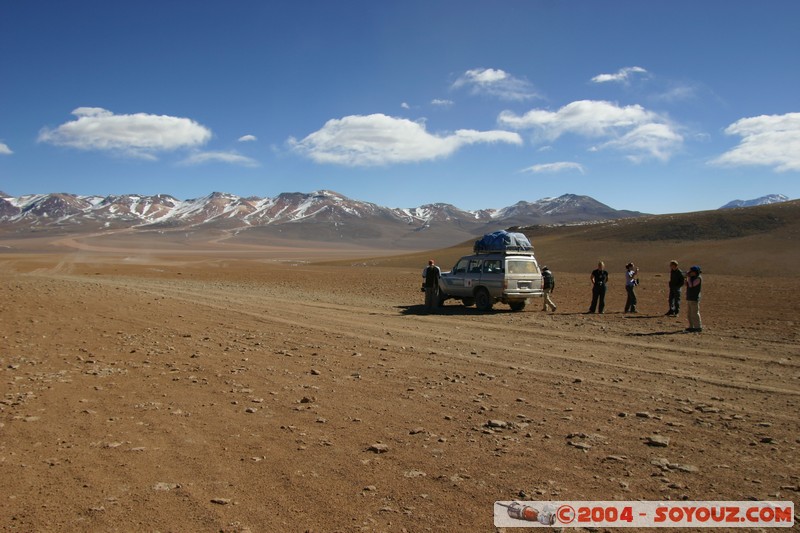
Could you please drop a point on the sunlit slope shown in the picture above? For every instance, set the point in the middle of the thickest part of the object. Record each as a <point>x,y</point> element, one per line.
<point>761,240</point>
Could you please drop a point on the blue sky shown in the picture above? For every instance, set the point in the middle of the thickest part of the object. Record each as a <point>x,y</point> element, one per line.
<point>660,107</point>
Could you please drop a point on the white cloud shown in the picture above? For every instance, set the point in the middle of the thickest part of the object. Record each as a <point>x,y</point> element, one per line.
<point>138,135</point>
<point>496,83</point>
<point>404,105</point>
<point>247,138</point>
<point>484,76</point>
<point>623,75</point>
<point>631,129</point>
<point>767,140</point>
<point>359,140</point>
<point>233,158</point>
<point>5,150</point>
<point>654,140</point>
<point>677,93</point>
<point>550,168</point>
<point>441,102</point>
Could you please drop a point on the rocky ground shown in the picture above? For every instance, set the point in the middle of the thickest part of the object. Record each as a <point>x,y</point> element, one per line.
<point>244,395</point>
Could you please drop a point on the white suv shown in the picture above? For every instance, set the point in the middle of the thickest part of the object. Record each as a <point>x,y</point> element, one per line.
<point>483,279</point>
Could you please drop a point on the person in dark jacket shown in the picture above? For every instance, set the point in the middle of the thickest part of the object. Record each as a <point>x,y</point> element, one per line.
<point>676,280</point>
<point>431,273</point>
<point>548,285</point>
<point>599,279</point>
<point>694,284</point>
<point>631,281</point>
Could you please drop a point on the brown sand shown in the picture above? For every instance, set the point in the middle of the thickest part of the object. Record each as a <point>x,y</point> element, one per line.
<point>208,393</point>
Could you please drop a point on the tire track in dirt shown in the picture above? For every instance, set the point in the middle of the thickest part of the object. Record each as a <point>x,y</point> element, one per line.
<point>327,310</point>
<point>290,305</point>
<point>340,319</point>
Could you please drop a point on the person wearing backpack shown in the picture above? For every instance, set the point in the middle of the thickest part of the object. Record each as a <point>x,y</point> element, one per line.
<point>676,279</point>
<point>693,286</point>
<point>548,284</point>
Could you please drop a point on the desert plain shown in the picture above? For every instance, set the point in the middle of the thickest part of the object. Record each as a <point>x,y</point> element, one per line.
<point>259,388</point>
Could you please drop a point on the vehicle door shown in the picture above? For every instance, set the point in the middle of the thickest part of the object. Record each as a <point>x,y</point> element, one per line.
<point>492,275</point>
<point>453,281</point>
<point>472,278</point>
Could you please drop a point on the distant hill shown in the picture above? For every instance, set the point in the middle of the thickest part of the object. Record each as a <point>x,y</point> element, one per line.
<point>753,240</point>
<point>759,240</point>
<point>764,200</point>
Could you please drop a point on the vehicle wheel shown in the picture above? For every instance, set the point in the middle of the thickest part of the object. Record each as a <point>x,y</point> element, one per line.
<point>517,306</point>
<point>482,300</point>
<point>442,298</point>
<point>468,301</point>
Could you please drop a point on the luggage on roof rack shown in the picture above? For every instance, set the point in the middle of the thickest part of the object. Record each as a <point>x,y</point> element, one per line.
<point>503,241</point>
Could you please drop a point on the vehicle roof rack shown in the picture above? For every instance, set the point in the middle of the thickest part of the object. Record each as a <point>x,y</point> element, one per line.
<point>506,251</point>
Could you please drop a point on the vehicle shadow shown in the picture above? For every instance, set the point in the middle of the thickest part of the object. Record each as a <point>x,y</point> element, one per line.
<point>447,310</point>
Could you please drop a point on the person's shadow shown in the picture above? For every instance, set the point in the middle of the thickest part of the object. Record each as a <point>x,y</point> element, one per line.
<point>657,333</point>
<point>651,333</point>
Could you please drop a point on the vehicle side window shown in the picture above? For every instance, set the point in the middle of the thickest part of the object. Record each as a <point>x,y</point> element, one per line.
<point>460,267</point>
<point>475,266</point>
<point>492,266</point>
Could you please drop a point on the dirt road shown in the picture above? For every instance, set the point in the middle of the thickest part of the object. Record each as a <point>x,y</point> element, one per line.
<point>258,396</point>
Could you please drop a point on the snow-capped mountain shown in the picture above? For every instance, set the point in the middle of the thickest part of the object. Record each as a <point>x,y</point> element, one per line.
<point>764,200</point>
<point>325,214</point>
<point>563,209</point>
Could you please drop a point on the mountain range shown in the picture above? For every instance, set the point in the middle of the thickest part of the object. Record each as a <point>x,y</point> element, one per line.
<point>320,216</point>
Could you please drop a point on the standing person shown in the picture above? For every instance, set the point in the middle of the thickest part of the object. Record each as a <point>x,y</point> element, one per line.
<point>548,285</point>
<point>631,281</point>
<point>676,279</point>
<point>693,285</point>
<point>431,273</point>
<point>599,279</point>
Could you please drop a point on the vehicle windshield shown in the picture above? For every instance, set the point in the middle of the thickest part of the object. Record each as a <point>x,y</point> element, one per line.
<point>516,266</point>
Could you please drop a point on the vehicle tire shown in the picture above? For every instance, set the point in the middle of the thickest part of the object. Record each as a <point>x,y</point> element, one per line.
<point>517,306</point>
<point>482,300</point>
<point>442,298</point>
<point>468,302</point>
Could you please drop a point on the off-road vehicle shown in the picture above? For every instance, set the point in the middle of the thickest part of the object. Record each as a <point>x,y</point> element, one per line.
<point>482,279</point>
